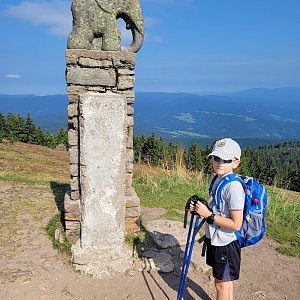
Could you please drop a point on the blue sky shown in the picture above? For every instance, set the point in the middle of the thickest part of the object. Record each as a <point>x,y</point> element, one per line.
<point>196,46</point>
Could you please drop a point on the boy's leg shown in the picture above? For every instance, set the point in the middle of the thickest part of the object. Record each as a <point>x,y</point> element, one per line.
<point>224,289</point>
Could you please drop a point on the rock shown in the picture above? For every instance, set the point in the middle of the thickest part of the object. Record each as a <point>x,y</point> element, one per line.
<point>162,261</point>
<point>59,236</point>
<point>261,294</point>
<point>167,233</point>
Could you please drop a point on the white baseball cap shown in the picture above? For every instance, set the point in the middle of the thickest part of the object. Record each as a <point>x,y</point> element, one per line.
<point>226,149</point>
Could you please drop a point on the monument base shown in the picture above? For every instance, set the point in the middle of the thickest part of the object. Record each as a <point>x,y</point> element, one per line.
<point>101,262</point>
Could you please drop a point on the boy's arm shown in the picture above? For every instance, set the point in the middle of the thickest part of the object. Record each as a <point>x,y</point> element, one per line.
<point>233,223</point>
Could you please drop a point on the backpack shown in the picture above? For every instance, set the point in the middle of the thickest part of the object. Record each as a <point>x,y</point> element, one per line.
<point>256,200</point>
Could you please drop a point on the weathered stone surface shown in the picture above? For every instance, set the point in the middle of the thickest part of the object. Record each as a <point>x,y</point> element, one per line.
<point>100,89</point>
<point>105,33</point>
<point>130,110</point>
<point>162,261</point>
<point>71,216</point>
<point>73,98</point>
<point>132,212</point>
<point>129,167</point>
<point>99,123</point>
<point>167,233</point>
<point>132,225</point>
<point>130,121</point>
<point>92,76</point>
<point>125,82</point>
<point>73,123</point>
<point>101,263</point>
<point>72,225</point>
<point>72,234</point>
<point>73,154</point>
<point>72,109</point>
<point>119,58</point>
<point>129,144</point>
<point>125,72</point>
<point>73,137</point>
<point>90,62</point>
<point>75,195</point>
<point>102,169</point>
<point>58,235</point>
<point>130,155</point>
<point>71,205</point>
<point>74,169</point>
<point>74,184</point>
<point>75,89</point>
<point>132,200</point>
<point>128,179</point>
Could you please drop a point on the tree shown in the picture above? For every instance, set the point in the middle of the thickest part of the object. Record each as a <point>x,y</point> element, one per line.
<point>194,158</point>
<point>138,146</point>
<point>30,131</point>
<point>154,150</point>
<point>2,127</point>
<point>62,136</point>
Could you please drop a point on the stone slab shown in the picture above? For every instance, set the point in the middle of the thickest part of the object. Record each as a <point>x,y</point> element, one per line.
<point>167,233</point>
<point>102,169</point>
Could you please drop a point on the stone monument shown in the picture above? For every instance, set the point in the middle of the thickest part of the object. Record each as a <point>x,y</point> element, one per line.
<point>101,206</point>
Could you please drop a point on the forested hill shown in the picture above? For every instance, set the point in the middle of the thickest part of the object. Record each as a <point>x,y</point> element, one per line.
<point>279,164</point>
<point>254,117</point>
<point>273,165</point>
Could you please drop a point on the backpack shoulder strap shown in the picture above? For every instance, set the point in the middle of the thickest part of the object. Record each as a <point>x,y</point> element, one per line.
<point>211,184</point>
<point>225,180</point>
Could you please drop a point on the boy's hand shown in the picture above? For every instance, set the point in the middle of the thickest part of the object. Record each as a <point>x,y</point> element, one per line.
<point>202,210</point>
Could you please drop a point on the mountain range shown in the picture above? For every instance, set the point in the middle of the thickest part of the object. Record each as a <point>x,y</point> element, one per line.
<point>268,115</point>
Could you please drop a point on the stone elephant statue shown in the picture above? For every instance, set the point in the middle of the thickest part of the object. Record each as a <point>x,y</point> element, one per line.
<point>95,24</point>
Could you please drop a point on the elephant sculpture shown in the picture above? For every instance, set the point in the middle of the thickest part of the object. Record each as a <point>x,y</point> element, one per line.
<point>95,24</point>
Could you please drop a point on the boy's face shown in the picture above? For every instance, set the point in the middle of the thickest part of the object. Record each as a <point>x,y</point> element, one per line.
<point>222,168</point>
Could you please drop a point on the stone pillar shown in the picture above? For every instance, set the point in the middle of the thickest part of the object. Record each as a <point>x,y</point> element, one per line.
<point>101,206</point>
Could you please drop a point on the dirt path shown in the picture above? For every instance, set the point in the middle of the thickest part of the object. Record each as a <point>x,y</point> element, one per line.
<point>32,269</point>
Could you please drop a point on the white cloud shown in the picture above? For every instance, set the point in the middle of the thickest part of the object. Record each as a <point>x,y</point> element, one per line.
<point>13,76</point>
<point>55,15</point>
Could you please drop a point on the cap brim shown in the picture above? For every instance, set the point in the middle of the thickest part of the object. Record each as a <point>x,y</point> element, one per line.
<point>221,154</point>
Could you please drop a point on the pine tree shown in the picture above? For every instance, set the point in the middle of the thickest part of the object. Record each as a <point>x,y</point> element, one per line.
<point>50,140</point>
<point>30,131</point>
<point>2,127</point>
<point>62,136</point>
<point>194,158</point>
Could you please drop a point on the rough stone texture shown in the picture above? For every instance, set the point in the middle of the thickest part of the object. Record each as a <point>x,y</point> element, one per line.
<point>119,212</point>
<point>167,233</point>
<point>92,76</point>
<point>102,169</point>
<point>100,263</point>
<point>170,236</point>
<point>95,26</point>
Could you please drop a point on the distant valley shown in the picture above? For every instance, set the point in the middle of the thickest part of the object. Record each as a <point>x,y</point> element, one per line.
<point>254,117</point>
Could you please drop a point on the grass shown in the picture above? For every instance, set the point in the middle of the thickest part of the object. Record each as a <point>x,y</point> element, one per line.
<point>283,220</point>
<point>171,189</point>
<point>37,178</point>
<point>33,170</point>
<point>167,189</point>
<point>52,227</point>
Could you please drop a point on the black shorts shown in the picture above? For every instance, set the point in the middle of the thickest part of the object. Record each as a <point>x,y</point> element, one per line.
<point>225,260</point>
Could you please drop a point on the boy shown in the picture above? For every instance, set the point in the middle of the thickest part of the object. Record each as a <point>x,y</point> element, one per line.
<point>223,251</point>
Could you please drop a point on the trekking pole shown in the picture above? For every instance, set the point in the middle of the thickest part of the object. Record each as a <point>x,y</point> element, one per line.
<point>189,244</point>
<point>187,256</point>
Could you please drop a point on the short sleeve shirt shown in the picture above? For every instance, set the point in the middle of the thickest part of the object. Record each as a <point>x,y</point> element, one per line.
<point>232,198</point>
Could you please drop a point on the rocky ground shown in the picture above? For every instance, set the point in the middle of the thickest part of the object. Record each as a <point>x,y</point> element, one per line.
<point>32,269</point>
